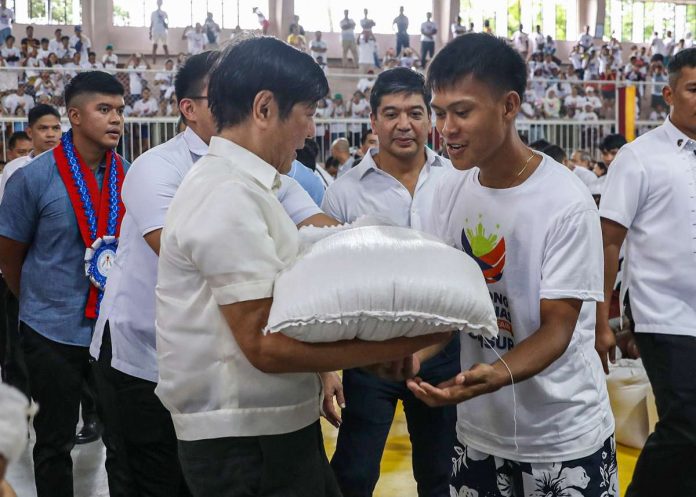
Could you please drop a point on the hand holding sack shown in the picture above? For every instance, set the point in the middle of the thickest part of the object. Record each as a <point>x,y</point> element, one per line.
<point>376,283</point>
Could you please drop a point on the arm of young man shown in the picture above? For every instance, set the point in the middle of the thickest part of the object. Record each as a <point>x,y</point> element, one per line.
<point>528,358</point>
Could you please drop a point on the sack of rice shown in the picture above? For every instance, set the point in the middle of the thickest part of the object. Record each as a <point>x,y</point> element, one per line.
<point>377,283</point>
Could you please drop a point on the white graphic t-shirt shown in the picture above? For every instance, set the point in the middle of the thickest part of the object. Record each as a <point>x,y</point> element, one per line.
<point>539,240</point>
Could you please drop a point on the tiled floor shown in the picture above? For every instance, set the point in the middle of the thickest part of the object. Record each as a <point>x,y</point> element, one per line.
<point>396,479</point>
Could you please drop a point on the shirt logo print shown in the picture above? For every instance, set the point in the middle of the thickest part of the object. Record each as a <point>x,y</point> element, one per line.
<point>488,250</point>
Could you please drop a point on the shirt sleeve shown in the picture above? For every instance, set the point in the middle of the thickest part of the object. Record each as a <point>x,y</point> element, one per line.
<point>573,263</point>
<point>295,200</point>
<point>331,204</point>
<point>19,212</point>
<point>625,190</point>
<point>230,244</point>
<point>148,190</point>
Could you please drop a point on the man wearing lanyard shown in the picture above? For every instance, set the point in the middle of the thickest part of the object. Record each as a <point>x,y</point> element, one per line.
<point>649,201</point>
<point>395,181</point>
<point>124,338</point>
<point>53,210</point>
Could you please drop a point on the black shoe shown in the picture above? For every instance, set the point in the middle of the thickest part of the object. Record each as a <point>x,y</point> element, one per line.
<point>91,431</point>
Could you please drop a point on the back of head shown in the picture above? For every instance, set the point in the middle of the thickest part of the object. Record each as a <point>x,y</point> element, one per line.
<point>483,57</point>
<point>612,142</point>
<point>340,145</point>
<point>684,58</point>
<point>308,155</point>
<point>41,110</point>
<point>262,63</point>
<point>540,145</point>
<point>191,78</point>
<point>90,82</point>
<point>16,137</point>
<point>556,153</point>
<point>398,80</point>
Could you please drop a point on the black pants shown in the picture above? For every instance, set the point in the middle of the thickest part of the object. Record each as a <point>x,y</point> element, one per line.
<point>14,367</point>
<point>427,47</point>
<point>137,417</point>
<point>58,373</point>
<point>665,465</point>
<point>289,465</point>
<point>402,41</point>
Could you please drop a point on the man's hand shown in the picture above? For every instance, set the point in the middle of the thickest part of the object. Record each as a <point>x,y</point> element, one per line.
<point>333,387</point>
<point>626,340</point>
<point>479,380</point>
<point>605,344</point>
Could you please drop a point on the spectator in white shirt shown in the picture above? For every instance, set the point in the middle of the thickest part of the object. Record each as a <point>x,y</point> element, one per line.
<point>165,80</point>
<point>110,59</point>
<point>348,39</point>
<point>227,205</point>
<point>669,43</point>
<point>212,31</point>
<point>18,99</point>
<point>520,40</point>
<point>428,32</point>
<point>136,78</point>
<point>650,197</point>
<point>366,23</point>
<point>43,51</point>
<point>552,105</point>
<point>32,62</point>
<point>6,20</point>
<point>317,47</point>
<point>586,40</point>
<point>10,53</point>
<point>458,28</point>
<point>587,114</point>
<point>367,82</point>
<point>65,52</point>
<point>80,43</point>
<point>196,39</point>
<point>93,63</point>
<point>367,46</point>
<point>358,108</point>
<point>57,41</point>
<point>146,106</point>
<point>657,45</point>
<point>75,64</point>
<point>263,22</point>
<point>538,40</point>
<point>159,27</point>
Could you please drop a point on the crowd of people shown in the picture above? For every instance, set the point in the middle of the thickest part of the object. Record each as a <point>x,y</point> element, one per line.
<point>123,280</point>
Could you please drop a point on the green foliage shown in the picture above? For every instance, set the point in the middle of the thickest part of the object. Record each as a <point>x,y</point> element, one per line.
<point>561,21</point>
<point>514,16</point>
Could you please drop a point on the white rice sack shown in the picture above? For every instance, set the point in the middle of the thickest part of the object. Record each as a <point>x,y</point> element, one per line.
<point>377,283</point>
<point>628,388</point>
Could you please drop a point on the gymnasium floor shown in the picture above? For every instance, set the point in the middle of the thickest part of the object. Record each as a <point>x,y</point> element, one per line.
<point>396,479</point>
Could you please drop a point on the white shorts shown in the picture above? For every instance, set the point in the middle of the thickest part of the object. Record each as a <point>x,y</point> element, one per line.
<point>159,38</point>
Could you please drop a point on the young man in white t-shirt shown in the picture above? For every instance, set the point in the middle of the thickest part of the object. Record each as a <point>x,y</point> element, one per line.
<point>520,40</point>
<point>10,53</point>
<point>348,39</point>
<point>534,230</point>
<point>6,18</point>
<point>224,381</point>
<point>159,27</point>
<point>56,42</point>
<point>649,207</point>
<point>110,59</point>
<point>317,47</point>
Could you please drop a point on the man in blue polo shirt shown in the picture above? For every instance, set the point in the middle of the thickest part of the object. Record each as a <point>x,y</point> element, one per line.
<point>52,210</point>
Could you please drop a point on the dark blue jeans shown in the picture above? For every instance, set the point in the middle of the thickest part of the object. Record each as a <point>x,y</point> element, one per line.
<point>368,416</point>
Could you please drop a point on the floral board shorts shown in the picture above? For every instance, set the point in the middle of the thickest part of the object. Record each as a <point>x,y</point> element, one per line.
<point>476,474</point>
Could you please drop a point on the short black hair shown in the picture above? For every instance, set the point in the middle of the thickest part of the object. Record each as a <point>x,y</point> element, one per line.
<point>331,161</point>
<point>611,142</point>
<point>44,40</point>
<point>369,132</point>
<point>92,82</point>
<point>308,154</point>
<point>399,80</point>
<point>262,63</point>
<point>482,56</point>
<point>10,36</point>
<point>40,111</point>
<point>684,58</point>
<point>191,77</point>
<point>540,145</point>
<point>16,136</point>
<point>556,153</point>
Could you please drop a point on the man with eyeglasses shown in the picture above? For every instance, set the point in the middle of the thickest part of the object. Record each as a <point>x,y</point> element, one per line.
<point>124,336</point>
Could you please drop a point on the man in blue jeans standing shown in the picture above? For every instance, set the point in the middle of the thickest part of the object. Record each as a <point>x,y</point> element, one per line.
<point>395,182</point>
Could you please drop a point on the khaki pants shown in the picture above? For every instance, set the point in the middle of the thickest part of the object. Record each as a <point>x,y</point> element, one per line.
<point>349,45</point>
